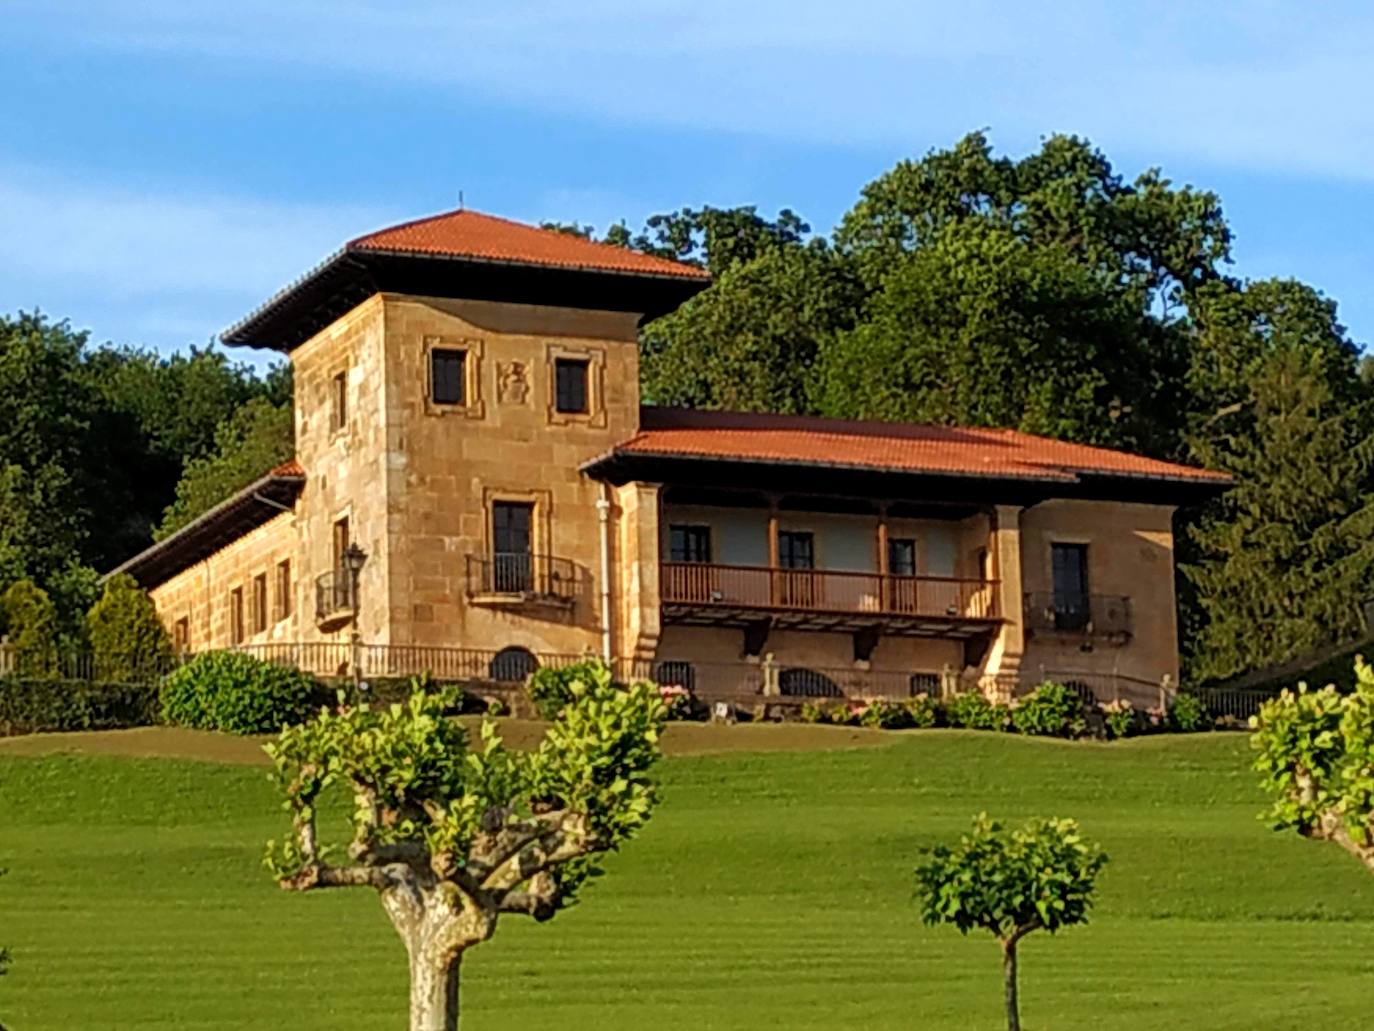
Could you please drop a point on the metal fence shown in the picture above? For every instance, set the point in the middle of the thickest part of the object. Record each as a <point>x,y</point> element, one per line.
<point>81,666</point>
<point>709,681</point>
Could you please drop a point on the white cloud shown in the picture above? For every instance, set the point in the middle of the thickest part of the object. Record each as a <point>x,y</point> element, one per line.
<point>1263,83</point>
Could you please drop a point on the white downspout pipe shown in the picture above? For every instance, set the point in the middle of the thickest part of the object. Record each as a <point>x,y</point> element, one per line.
<point>603,514</point>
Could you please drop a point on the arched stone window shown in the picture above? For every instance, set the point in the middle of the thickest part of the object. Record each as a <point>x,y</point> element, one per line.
<point>675,673</point>
<point>512,665</point>
<point>807,683</point>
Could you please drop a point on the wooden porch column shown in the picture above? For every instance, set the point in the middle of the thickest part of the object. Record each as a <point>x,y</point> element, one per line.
<point>773,549</point>
<point>883,568</point>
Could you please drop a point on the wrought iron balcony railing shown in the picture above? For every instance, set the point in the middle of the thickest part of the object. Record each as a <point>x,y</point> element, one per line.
<point>522,576</point>
<point>336,601</point>
<point>1085,615</point>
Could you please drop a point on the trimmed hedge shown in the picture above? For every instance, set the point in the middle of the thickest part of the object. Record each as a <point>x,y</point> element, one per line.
<point>237,693</point>
<point>30,705</point>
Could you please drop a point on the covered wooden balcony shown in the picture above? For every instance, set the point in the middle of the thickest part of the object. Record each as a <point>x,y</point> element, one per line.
<point>706,594</point>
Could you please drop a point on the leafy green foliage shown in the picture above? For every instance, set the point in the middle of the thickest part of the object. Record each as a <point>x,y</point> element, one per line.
<point>749,342</point>
<point>1188,714</point>
<point>884,715</point>
<point>973,710</point>
<point>924,711</point>
<point>550,688</point>
<point>1051,710</point>
<point>78,420</point>
<point>1316,757</point>
<point>29,622</point>
<point>1121,718</point>
<point>128,641</point>
<point>1038,877</point>
<point>31,705</point>
<point>418,783</point>
<point>44,506</point>
<point>1278,563</point>
<point>237,693</point>
<point>255,439</point>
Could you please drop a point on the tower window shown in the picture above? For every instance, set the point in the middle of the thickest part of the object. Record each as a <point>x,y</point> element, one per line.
<point>570,385</point>
<point>446,372</point>
<point>339,399</point>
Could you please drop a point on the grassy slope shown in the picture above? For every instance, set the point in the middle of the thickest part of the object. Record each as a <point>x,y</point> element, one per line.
<point>771,891</point>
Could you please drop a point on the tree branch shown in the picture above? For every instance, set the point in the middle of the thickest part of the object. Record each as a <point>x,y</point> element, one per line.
<point>570,840</point>
<point>1331,827</point>
<point>539,900</point>
<point>498,843</point>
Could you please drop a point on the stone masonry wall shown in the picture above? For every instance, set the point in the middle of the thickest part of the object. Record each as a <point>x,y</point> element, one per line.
<point>446,465</point>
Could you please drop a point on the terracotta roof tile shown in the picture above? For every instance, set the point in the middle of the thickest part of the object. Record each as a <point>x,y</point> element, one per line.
<point>898,447</point>
<point>471,234</point>
<point>291,467</point>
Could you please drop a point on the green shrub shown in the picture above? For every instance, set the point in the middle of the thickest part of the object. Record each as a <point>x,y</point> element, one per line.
<point>923,711</point>
<point>1188,714</point>
<point>973,710</point>
<point>813,712</point>
<point>677,702</point>
<point>550,689</point>
<point>1121,719</point>
<point>381,691</point>
<point>33,705</point>
<point>842,714</point>
<point>885,715</point>
<point>30,623</point>
<point>128,641</point>
<point>1051,710</point>
<point>237,693</point>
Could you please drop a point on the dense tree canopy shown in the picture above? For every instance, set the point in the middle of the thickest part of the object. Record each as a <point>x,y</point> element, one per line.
<point>93,445</point>
<point>253,440</point>
<point>1281,563</point>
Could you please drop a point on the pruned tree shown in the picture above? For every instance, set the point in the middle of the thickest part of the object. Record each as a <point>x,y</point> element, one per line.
<point>1011,882</point>
<point>1316,755</point>
<point>452,838</point>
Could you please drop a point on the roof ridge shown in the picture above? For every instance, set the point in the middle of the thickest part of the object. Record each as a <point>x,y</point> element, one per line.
<point>402,225</point>
<point>614,253</point>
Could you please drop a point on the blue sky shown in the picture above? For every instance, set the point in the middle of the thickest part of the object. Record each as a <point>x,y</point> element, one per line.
<point>167,164</point>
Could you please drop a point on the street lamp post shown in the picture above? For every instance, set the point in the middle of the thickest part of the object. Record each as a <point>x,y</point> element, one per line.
<point>354,558</point>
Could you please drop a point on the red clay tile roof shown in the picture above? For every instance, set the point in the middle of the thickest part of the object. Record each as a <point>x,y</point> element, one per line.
<point>895,447</point>
<point>291,467</point>
<point>470,234</point>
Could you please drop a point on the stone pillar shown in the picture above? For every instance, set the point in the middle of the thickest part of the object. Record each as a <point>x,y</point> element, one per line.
<point>771,688</point>
<point>636,559</point>
<point>1009,646</point>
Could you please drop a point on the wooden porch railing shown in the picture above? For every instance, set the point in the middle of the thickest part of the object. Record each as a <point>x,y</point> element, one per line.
<point>816,590</point>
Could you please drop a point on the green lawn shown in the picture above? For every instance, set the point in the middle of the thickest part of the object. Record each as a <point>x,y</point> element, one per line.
<point>772,890</point>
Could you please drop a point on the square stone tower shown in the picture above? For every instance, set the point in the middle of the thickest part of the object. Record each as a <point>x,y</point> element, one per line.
<point>452,375</point>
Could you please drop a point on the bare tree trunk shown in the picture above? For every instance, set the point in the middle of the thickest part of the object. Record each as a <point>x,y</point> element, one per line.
<point>1009,983</point>
<point>433,991</point>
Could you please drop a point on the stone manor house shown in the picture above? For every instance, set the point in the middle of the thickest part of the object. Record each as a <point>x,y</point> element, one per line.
<point>477,490</point>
